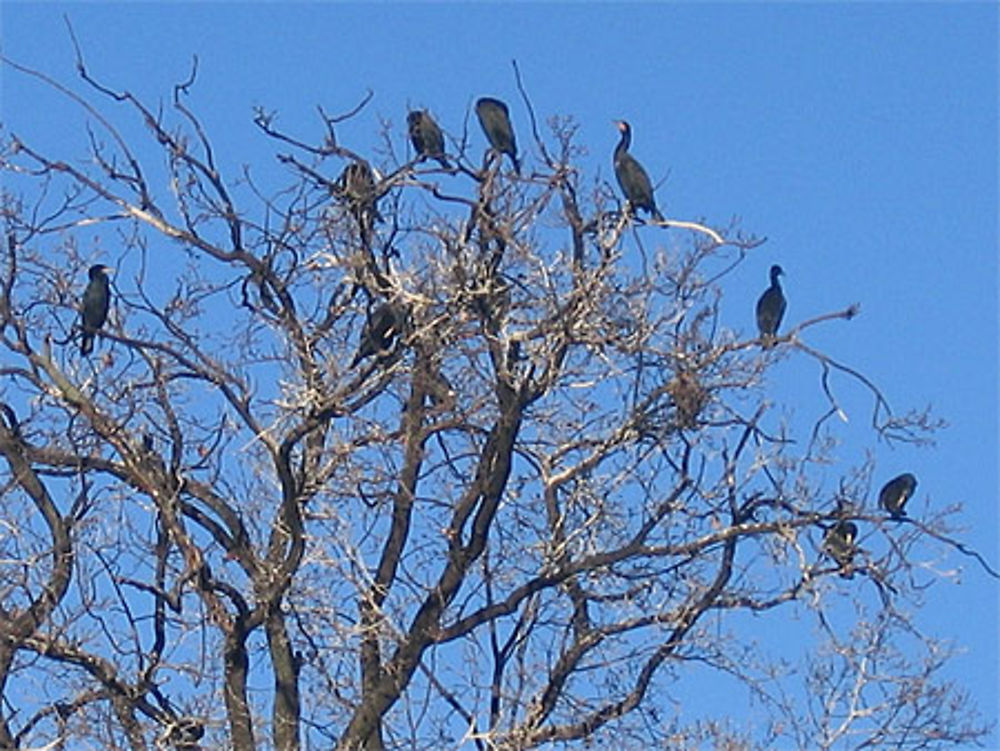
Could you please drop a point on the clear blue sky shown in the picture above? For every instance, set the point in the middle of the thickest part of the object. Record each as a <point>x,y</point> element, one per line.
<point>861,139</point>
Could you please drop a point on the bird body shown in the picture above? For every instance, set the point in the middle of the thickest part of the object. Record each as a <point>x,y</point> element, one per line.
<point>838,543</point>
<point>771,308</point>
<point>428,141</point>
<point>632,178</point>
<point>896,493</point>
<point>378,332</point>
<point>357,184</point>
<point>494,117</point>
<point>94,310</point>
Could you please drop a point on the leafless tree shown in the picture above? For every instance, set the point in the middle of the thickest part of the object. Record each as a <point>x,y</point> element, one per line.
<point>533,518</point>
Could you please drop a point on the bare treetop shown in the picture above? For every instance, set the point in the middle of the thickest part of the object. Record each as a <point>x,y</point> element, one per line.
<point>424,455</point>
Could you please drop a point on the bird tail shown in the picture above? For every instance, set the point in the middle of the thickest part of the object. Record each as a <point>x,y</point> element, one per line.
<point>444,162</point>
<point>658,216</point>
<point>517,164</point>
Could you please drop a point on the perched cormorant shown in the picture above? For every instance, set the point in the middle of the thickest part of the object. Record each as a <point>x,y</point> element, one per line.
<point>494,117</point>
<point>771,308</point>
<point>357,184</point>
<point>183,734</point>
<point>896,493</point>
<point>632,178</point>
<point>426,136</point>
<point>378,332</point>
<point>838,543</point>
<point>94,311</point>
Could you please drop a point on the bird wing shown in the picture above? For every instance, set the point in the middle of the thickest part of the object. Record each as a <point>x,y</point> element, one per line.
<point>634,181</point>
<point>95,304</point>
<point>770,307</point>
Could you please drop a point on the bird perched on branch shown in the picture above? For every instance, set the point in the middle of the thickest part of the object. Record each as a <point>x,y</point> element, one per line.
<point>770,309</point>
<point>356,184</point>
<point>494,117</point>
<point>632,178</point>
<point>428,141</point>
<point>838,543</point>
<point>94,309</point>
<point>379,331</point>
<point>896,493</point>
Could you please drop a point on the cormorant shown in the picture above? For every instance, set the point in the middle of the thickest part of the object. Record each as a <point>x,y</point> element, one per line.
<point>838,543</point>
<point>632,178</point>
<point>494,118</point>
<point>896,493</point>
<point>183,734</point>
<point>94,311</point>
<point>357,181</point>
<point>426,136</point>
<point>378,332</point>
<point>771,308</point>
<point>357,185</point>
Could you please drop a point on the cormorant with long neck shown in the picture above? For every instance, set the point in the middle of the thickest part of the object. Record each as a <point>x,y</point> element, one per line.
<point>770,309</point>
<point>632,178</point>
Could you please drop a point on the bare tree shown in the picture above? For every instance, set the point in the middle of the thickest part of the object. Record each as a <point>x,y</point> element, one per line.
<point>549,492</point>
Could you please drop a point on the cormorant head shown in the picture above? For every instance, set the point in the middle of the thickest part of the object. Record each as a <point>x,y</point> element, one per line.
<point>623,126</point>
<point>98,270</point>
<point>776,271</point>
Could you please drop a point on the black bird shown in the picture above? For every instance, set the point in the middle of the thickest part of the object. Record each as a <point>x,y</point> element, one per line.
<point>896,493</point>
<point>357,184</point>
<point>183,734</point>
<point>426,136</point>
<point>494,117</point>
<point>94,311</point>
<point>838,543</point>
<point>771,308</point>
<point>632,178</point>
<point>379,330</point>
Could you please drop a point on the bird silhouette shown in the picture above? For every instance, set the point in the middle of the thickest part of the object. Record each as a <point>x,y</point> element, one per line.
<point>356,184</point>
<point>494,117</point>
<point>771,309</point>
<point>838,543</point>
<point>632,178</point>
<point>428,141</point>
<point>94,309</point>
<point>378,333</point>
<point>896,493</point>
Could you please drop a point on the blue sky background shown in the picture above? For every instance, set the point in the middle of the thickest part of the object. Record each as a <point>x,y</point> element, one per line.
<point>860,139</point>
